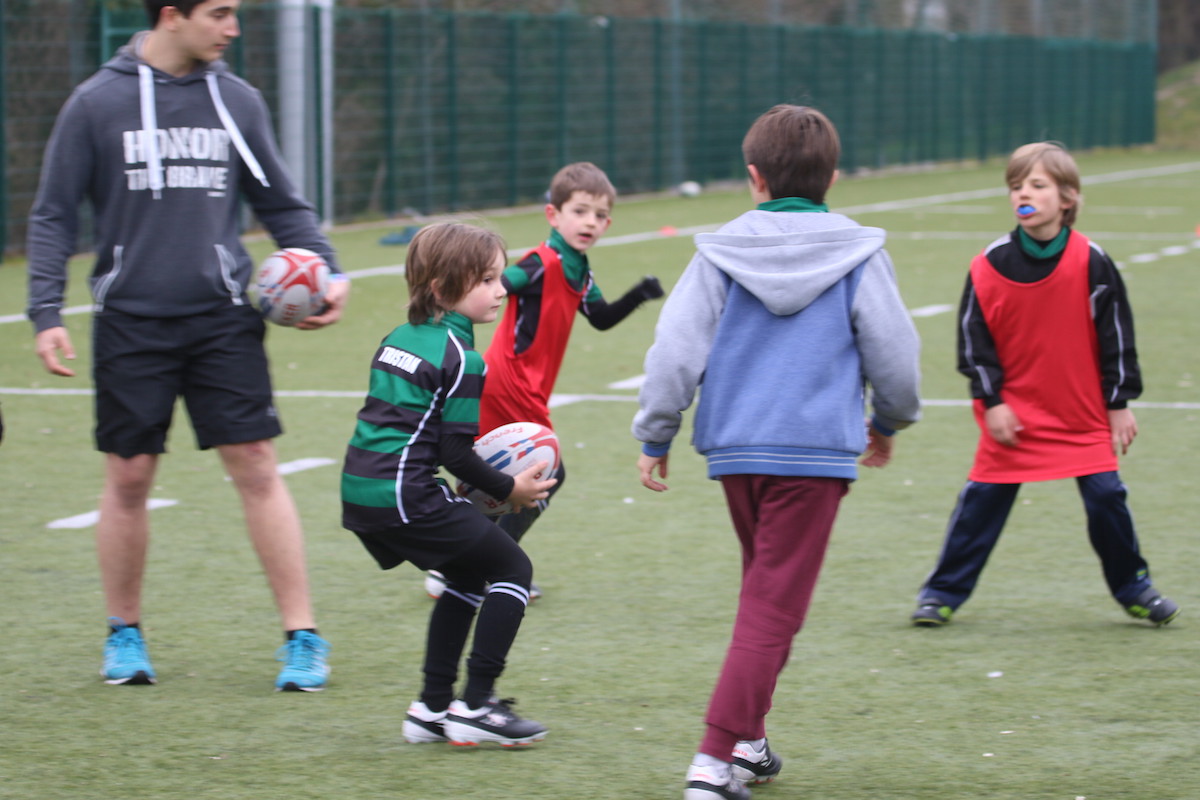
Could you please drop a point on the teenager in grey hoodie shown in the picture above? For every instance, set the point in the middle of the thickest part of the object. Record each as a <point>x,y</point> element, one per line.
<point>161,142</point>
<point>786,315</point>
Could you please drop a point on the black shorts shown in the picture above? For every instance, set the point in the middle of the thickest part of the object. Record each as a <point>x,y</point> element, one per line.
<point>431,541</point>
<point>215,361</point>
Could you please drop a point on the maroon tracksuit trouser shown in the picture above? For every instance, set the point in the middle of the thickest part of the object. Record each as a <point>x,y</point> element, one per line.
<point>783,524</point>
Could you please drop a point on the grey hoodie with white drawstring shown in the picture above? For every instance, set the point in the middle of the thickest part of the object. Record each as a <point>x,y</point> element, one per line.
<point>162,160</point>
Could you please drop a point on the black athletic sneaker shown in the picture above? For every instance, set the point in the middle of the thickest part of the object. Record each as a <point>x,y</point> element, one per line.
<point>755,765</point>
<point>494,722</point>
<point>931,613</point>
<point>1152,606</point>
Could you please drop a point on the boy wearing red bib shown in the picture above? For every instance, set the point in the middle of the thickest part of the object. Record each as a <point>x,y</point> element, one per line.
<point>1046,339</point>
<point>547,288</point>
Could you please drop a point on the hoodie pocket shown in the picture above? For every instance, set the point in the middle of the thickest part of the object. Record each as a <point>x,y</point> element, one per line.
<point>228,266</point>
<point>104,283</point>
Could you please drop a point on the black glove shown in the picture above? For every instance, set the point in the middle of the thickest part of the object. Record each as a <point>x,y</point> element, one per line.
<point>650,288</point>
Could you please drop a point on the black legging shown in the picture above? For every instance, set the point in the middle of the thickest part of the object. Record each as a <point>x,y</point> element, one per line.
<point>493,578</point>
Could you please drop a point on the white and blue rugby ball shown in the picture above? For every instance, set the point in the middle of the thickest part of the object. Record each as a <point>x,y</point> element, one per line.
<point>512,449</point>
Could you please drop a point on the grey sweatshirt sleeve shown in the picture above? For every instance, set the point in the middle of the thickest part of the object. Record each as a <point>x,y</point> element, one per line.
<point>54,217</point>
<point>890,347</point>
<point>676,361</point>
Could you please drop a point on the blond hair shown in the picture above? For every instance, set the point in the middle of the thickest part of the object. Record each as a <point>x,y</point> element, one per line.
<point>444,262</point>
<point>1057,163</point>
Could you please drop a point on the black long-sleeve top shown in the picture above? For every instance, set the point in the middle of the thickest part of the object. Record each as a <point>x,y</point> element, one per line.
<point>1120,374</point>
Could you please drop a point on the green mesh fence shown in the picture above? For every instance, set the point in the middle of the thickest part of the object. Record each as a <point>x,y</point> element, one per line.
<point>436,111</point>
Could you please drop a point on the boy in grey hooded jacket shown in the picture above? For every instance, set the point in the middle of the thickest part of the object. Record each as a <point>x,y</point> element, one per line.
<point>786,315</point>
<point>161,142</point>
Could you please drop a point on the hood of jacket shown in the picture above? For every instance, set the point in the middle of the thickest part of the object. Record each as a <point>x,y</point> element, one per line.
<point>788,259</point>
<point>128,57</point>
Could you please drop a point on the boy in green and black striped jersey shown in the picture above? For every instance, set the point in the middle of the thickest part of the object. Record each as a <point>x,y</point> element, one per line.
<point>422,413</point>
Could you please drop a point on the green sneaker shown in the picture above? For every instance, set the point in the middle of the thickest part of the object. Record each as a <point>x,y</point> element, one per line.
<point>1152,606</point>
<point>931,614</point>
<point>125,658</point>
<point>304,665</point>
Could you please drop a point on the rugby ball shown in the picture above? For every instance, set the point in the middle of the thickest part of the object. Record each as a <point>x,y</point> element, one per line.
<point>512,449</point>
<point>290,285</point>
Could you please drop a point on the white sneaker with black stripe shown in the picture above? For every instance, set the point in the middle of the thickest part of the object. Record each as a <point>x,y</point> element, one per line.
<point>422,726</point>
<point>707,782</point>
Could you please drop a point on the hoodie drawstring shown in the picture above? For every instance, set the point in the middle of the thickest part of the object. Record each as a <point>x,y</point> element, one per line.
<point>150,130</point>
<point>236,135</point>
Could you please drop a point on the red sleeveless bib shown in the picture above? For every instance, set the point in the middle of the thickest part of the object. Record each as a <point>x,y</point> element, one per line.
<point>1046,341</point>
<point>518,386</point>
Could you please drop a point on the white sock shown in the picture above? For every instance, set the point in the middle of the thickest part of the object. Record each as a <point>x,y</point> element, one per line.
<point>719,767</point>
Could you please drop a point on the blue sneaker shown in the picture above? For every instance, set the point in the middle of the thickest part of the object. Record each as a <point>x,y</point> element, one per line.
<point>304,667</point>
<point>125,658</point>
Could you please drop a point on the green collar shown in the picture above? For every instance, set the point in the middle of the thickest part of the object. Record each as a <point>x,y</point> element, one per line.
<point>572,259</point>
<point>459,324</point>
<point>1042,250</point>
<point>792,204</point>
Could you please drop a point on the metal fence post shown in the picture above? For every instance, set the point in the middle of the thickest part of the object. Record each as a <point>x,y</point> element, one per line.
<point>390,102</point>
<point>295,139</point>
<point>452,109</point>
<point>3,142</point>
<point>325,125</point>
<point>610,100</point>
<point>561,90</point>
<point>656,135</point>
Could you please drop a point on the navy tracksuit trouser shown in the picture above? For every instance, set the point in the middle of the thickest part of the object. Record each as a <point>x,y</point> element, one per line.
<point>979,518</point>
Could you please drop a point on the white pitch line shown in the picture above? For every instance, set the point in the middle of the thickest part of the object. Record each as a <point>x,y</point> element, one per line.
<point>302,464</point>
<point>931,311</point>
<point>92,517</point>
<point>629,383</point>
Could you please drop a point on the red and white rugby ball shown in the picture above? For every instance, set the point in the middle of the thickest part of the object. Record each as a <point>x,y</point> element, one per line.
<point>290,285</point>
<point>512,449</point>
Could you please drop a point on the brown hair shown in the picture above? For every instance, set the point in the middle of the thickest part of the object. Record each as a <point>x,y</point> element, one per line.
<point>1057,163</point>
<point>444,262</point>
<point>582,176</point>
<point>795,149</point>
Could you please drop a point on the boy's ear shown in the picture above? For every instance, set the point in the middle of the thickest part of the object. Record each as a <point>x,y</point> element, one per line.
<point>551,215</point>
<point>837,173</point>
<point>169,17</point>
<point>757,182</point>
